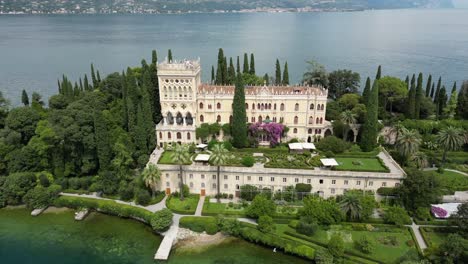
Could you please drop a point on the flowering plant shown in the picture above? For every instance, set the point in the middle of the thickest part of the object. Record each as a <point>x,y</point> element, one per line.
<point>272,131</point>
<point>437,211</point>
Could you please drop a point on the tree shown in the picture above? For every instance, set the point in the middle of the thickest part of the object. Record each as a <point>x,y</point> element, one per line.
<point>261,206</point>
<point>239,126</point>
<point>370,127</point>
<point>36,100</point>
<point>266,224</point>
<point>169,56</point>
<point>323,212</point>
<point>419,190</point>
<point>180,155</point>
<point>4,103</point>
<point>336,246</point>
<point>277,73</point>
<point>391,90</point>
<point>238,66</point>
<point>315,74</point>
<point>418,97</point>
<point>379,73</point>
<point>93,77</point>
<point>219,156</point>
<point>252,64</point>
<point>286,74</point>
<point>436,96</point>
<point>365,245</point>
<point>453,250</point>
<point>454,88</point>
<point>41,197</point>
<point>245,67</point>
<point>462,102</point>
<point>220,72</point>
<point>151,175</point>
<point>449,110</point>
<point>428,85</point>
<point>411,100</point>
<point>348,118</point>
<point>24,98</point>
<point>323,256</point>
<point>396,215</point>
<point>366,91</point>
<point>333,144</point>
<point>266,79</point>
<point>231,73</point>
<point>103,145</point>
<point>420,160</point>
<point>442,101</point>
<point>161,220</point>
<point>450,139</point>
<point>460,219</point>
<point>350,205</point>
<point>23,120</point>
<point>16,185</point>
<point>212,74</point>
<point>341,82</point>
<point>408,142</point>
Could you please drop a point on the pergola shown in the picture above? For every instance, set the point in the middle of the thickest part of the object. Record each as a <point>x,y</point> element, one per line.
<point>329,163</point>
<point>202,158</point>
<point>300,147</point>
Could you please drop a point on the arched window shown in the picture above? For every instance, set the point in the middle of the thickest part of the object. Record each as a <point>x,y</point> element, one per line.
<point>321,120</point>
<point>253,106</point>
<point>267,117</point>
<point>317,120</point>
<point>322,107</point>
<point>200,106</point>
<point>296,120</point>
<point>295,130</point>
<point>274,119</point>
<point>230,119</point>
<point>189,119</point>
<point>179,119</point>
<point>188,136</point>
<point>170,118</point>
<point>169,135</point>
<point>246,106</point>
<point>311,107</point>
<point>269,106</point>
<point>282,107</point>
<point>309,131</point>
<point>218,106</point>
<point>253,119</point>
<point>274,107</point>
<point>218,118</point>
<point>258,106</point>
<point>202,118</point>
<point>160,135</point>
<point>311,119</point>
<point>179,135</point>
<point>260,119</point>
<point>296,107</point>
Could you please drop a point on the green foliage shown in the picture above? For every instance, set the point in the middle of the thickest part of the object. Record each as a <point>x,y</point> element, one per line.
<point>229,226</point>
<point>323,257</point>
<point>370,128</point>
<point>24,98</point>
<point>239,126</point>
<point>333,144</point>
<point>391,90</point>
<point>41,197</point>
<point>248,192</point>
<point>23,120</point>
<point>200,224</point>
<point>460,219</point>
<point>324,212</point>
<point>396,215</point>
<point>266,224</point>
<point>419,190</point>
<point>285,74</point>
<point>365,245</point>
<point>16,186</point>
<point>260,206</point>
<point>462,102</point>
<point>161,220</point>
<point>142,197</point>
<point>306,228</point>
<point>342,82</point>
<point>336,246</point>
<point>303,187</point>
<point>248,161</point>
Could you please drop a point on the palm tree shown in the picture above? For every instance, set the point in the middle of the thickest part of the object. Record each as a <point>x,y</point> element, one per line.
<point>351,206</point>
<point>151,176</point>
<point>219,156</point>
<point>408,142</point>
<point>348,118</point>
<point>420,159</point>
<point>397,129</point>
<point>180,156</point>
<point>450,138</point>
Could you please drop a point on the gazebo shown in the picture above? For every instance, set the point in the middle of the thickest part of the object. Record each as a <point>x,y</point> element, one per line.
<point>329,163</point>
<point>202,158</point>
<point>300,147</point>
<point>201,147</point>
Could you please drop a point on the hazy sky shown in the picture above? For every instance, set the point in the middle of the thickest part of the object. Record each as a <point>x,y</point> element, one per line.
<point>460,3</point>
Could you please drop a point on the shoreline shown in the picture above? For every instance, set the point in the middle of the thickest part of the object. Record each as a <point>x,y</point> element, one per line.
<point>191,241</point>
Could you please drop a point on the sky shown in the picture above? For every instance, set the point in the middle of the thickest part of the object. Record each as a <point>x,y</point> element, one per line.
<point>460,3</point>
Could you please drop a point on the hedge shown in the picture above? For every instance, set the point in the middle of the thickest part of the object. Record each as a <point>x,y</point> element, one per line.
<point>413,236</point>
<point>200,224</point>
<point>441,223</point>
<point>271,240</point>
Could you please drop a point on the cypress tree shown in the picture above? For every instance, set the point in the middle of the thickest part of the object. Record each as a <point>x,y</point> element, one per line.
<point>81,85</point>
<point>461,111</point>
<point>25,98</point>
<point>239,116</point>
<point>454,88</point>
<point>102,136</point>
<point>252,64</point>
<point>139,132</point>
<point>231,73</point>
<point>366,91</point>
<point>442,101</point>
<point>407,81</point>
<point>428,85</point>
<point>285,74</point>
<point>154,57</point>
<point>93,76</point>
<point>86,83</point>
<point>266,79</point>
<point>169,56</point>
<point>225,71</point>
<point>418,96</point>
<point>437,91</point>
<point>370,127</point>
<point>212,74</point>
<point>153,91</point>
<point>432,91</point>
<point>278,73</point>
<point>238,66</point>
<point>245,68</point>
<point>59,86</point>
<point>220,79</point>
<point>146,108</point>
<point>412,99</point>
<point>131,102</point>
<point>98,76</point>
<point>379,73</point>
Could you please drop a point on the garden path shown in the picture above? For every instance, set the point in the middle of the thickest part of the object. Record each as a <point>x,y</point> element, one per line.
<point>199,210</point>
<point>417,234</point>
<point>247,220</point>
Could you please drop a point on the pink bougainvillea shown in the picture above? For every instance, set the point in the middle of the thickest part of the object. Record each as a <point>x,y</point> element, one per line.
<point>269,131</point>
<point>439,212</point>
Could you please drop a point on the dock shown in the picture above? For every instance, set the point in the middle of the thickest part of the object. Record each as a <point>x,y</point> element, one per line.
<point>81,214</point>
<point>168,241</point>
<point>37,212</point>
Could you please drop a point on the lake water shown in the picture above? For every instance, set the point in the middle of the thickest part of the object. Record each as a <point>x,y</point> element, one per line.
<point>36,50</point>
<point>57,238</point>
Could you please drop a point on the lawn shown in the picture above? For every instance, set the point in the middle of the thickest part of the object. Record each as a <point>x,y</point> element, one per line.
<point>222,209</point>
<point>432,237</point>
<point>452,181</point>
<point>187,206</point>
<point>291,161</point>
<point>360,164</point>
<point>390,242</point>
<point>167,159</point>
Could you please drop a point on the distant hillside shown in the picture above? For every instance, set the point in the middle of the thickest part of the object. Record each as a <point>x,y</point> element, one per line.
<point>175,6</point>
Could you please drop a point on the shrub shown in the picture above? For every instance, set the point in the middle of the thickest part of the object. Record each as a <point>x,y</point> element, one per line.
<point>16,185</point>
<point>365,245</point>
<point>200,224</point>
<point>261,205</point>
<point>227,145</point>
<point>323,257</point>
<point>396,215</point>
<point>387,191</point>
<point>293,223</point>
<point>161,220</point>
<point>143,197</point>
<point>44,180</point>
<point>126,192</point>
<point>336,246</point>
<point>303,187</point>
<point>231,196</point>
<point>248,192</point>
<point>41,197</point>
<point>307,229</point>
<point>333,144</point>
<point>229,226</point>
<point>248,161</point>
<point>266,224</point>
<point>423,213</point>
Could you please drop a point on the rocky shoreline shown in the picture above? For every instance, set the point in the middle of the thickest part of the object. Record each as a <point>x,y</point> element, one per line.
<point>193,241</point>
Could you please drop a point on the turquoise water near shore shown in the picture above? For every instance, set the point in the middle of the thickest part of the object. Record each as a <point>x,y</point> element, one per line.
<point>58,238</point>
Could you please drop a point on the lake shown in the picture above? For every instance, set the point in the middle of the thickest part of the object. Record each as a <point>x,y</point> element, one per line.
<point>36,50</point>
<point>57,238</point>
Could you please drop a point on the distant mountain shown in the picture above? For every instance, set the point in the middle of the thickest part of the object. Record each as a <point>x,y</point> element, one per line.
<point>176,6</point>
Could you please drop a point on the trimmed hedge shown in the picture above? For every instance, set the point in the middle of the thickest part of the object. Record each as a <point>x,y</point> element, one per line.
<point>441,223</point>
<point>200,224</point>
<point>190,211</point>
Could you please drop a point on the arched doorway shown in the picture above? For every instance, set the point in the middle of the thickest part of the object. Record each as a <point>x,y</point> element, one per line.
<point>328,132</point>
<point>309,139</point>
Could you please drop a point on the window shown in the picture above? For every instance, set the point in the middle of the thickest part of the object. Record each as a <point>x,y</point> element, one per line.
<point>190,176</point>
<point>260,178</point>
<point>253,119</point>
<point>296,120</point>
<point>167,184</point>
<point>203,185</point>
<point>309,181</point>
<point>201,106</point>
<point>218,106</point>
<point>309,131</point>
<point>225,177</point>
<point>188,135</point>
<point>384,184</point>
<point>321,120</point>
<point>371,183</point>
<point>253,106</point>
<point>358,182</point>
<point>284,180</point>
<point>346,182</point>
<point>246,106</point>
<point>203,176</point>
<point>332,191</point>
<point>282,107</point>
<point>209,106</point>
<point>274,107</point>
<point>311,107</point>
<point>237,187</point>
<point>296,180</point>
<point>179,135</point>
<point>249,178</point>
<point>333,181</point>
<point>214,177</point>
<point>167,175</point>
<point>218,118</point>
<point>311,119</point>
<point>202,119</point>
<point>295,130</point>
<point>397,184</point>
<point>169,135</point>
<point>225,186</point>
<point>213,186</point>
<point>160,135</point>
<point>272,179</point>
<point>296,107</point>
<point>237,178</point>
<point>321,181</point>
<point>191,184</point>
